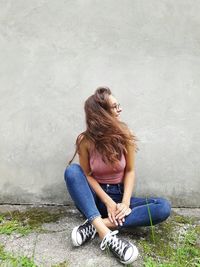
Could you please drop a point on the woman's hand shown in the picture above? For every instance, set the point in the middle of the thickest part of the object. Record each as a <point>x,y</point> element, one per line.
<point>111,209</point>
<point>122,211</point>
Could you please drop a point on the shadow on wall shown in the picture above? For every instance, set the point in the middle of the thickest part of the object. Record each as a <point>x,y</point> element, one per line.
<point>50,194</point>
<point>57,194</point>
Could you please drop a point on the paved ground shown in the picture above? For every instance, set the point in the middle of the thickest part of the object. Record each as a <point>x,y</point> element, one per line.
<point>54,247</point>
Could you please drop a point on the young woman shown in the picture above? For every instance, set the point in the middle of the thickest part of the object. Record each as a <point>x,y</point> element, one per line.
<point>101,186</point>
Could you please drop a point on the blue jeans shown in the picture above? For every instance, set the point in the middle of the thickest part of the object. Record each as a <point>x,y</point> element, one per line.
<point>89,204</point>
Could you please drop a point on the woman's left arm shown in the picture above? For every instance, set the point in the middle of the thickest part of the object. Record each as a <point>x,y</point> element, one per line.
<point>129,179</point>
<point>129,176</point>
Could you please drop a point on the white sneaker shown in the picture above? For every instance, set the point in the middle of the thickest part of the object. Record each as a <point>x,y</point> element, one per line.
<point>125,251</point>
<point>83,233</point>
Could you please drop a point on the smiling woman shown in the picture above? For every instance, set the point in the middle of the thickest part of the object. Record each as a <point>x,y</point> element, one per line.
<point>101,185</point>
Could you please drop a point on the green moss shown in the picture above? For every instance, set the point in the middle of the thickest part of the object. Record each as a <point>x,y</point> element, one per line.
<point>62,264</point>
<point>174,244</point>
<point>2,252</point>
<point>183,219</point>
<point>7,259</point>
<point>8,227</point>
<point>159,248</point>
<point>35,217</point>
<point>28,221</point>
<point>149,262</point>
<point>197,229</point>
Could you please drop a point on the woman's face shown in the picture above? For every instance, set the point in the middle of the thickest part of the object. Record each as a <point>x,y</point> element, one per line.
<point>115,106</point>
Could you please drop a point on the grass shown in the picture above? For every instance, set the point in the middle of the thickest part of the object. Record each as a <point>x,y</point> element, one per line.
<point>24,223</point>
<point>183,219</point>
<point>7,259</point>
<point>174,244</point>
<point>8,227</point>
<point>151,222</point>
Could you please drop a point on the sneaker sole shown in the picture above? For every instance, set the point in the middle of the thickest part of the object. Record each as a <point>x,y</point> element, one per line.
<point>73,237</point>
<point>134,256</point>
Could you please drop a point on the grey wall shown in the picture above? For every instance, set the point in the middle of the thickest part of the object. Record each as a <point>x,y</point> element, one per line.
<point>53,55</point>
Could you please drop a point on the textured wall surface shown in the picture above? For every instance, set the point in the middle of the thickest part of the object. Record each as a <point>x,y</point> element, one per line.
<point>53,55</point>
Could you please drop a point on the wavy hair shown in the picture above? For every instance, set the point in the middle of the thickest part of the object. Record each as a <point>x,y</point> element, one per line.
<point>108,135</point>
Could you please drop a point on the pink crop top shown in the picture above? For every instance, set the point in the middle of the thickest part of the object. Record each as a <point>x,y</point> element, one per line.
<point>105,173</point>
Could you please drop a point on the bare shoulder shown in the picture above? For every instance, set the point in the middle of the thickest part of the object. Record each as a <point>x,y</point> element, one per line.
<point>83,142</point>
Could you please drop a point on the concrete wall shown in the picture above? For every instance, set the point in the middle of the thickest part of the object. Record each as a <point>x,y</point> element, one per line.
<point>53,55</point>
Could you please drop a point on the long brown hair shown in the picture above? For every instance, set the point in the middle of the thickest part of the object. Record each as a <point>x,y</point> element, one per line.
<point>105,133</point>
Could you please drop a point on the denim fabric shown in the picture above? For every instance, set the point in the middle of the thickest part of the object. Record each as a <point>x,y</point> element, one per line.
<point>80,191</point>
<point>91,206</point>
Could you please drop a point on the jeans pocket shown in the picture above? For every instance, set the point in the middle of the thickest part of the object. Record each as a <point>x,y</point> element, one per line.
<point>114,192</point>
<point>116,189</point>
<point>112,189</point>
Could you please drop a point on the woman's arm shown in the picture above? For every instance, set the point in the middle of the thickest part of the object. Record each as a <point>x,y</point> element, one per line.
<point>105,198</point>
<point>129,179</point>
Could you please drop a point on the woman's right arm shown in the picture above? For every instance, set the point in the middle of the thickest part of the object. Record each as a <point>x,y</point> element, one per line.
<point>105,198</point>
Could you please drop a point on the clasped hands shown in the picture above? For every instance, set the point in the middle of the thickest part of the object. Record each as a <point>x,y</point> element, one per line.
<point>117,212</point>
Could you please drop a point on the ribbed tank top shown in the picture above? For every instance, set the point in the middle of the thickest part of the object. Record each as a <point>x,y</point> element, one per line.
<point>105,173</point>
